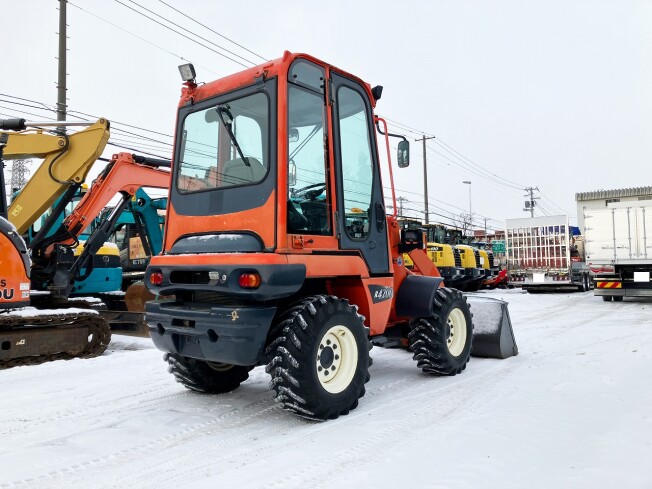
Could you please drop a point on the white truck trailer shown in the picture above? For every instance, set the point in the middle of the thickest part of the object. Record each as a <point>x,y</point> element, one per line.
<point>543,255</point>
<point>619,249</point>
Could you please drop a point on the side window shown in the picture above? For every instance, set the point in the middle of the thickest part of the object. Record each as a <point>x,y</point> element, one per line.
<point>308,204</point>
<point>120,236</point>
<point>357,163</point>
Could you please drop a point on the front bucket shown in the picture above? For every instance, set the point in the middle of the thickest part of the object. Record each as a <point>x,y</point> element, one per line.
<point>493,336</point>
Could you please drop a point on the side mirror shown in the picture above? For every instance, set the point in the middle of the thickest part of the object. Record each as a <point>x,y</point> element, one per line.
<point>403,156</point>
<point>292,173</point>
<point>293,135</point>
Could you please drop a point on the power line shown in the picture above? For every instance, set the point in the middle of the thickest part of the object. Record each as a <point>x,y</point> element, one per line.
<point>213,31</point>
<point>182,34</point>
<point>193,33</point>
<point>141,38</point>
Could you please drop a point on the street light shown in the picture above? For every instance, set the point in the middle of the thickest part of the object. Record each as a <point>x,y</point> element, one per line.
<point>468,182</point>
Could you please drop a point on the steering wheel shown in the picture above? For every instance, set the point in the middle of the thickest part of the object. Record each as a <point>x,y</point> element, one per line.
<point>306,192</point>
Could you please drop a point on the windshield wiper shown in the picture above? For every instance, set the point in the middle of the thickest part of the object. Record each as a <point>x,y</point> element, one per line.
<point>226,109</point>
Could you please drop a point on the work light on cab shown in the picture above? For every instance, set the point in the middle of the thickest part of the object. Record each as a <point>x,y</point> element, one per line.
<point>250,280</point>
<point>187,72</point>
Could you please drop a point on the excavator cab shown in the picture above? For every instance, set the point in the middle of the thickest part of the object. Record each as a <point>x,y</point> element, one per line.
<point>278,250</point>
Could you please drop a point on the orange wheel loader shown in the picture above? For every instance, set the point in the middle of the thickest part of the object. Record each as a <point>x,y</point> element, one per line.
<point>278,250</point>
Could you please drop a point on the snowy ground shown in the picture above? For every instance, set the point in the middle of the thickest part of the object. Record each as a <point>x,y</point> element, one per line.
<point>573,410</point>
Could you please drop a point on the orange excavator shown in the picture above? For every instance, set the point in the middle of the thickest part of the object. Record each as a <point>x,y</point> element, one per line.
<point>278,250</point>
<point>56,330</point>
<point>55,265</point>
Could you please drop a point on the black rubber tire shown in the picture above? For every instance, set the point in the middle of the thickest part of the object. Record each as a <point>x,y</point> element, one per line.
<point>298,333</point>
<point>618,298</point>
<point>206,377</point>
<point>428,338</point>
<point>607,298</point>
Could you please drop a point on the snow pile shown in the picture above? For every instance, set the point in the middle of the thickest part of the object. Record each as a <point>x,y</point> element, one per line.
<point>33,312</point>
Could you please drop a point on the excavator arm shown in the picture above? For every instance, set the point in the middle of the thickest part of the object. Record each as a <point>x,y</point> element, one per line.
<point>144,211</point>
<point>67,160</point>
<point>55,265</point>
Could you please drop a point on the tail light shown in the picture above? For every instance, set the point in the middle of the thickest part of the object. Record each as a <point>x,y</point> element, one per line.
<point>156,278</point>
<point>249,280</point>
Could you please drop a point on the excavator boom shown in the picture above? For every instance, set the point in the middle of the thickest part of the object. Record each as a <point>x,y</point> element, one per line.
<point>67,161</point>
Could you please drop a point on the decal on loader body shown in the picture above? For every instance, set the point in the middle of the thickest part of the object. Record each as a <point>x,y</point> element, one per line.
<point>380,293</point>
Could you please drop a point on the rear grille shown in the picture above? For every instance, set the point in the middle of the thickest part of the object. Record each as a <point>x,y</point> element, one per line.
<point>214,298</point>
<point>209,296</point>
<point>457,257</point>
<point>476,254</point>
<point>188,277</point>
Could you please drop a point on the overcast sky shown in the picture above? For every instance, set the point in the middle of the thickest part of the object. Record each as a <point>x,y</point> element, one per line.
<point>549,94</point>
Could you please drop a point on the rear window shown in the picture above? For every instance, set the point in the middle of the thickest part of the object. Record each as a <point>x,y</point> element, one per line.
<point>209,156</point>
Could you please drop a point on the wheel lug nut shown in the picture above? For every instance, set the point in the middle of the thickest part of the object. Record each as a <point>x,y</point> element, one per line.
<point>333,367</point>
<point>337,357</point>
<point>319,369</point>
<point>325,372</point>
<point>328,342</point>
<point>334,347</point>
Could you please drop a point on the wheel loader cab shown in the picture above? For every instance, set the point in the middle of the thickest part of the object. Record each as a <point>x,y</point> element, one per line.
<point>279,162</point>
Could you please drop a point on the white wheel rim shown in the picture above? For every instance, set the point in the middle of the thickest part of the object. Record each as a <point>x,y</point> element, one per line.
<point>456,332</point>
<point>336,359</point>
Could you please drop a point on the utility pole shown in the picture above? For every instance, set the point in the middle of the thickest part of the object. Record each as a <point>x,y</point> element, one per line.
<point>19,172</point>
<point>529,204</point>
<point>400,205</point>
<point>425,175</point>
<point>61,83</point>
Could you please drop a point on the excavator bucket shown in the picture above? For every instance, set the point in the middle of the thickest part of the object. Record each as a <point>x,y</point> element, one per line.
<point>493,336</point>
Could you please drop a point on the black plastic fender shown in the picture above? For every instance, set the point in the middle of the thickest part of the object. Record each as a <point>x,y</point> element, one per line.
<point>416,295</point>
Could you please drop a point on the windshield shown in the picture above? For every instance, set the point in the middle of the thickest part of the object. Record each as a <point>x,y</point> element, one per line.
<point>225,145</point>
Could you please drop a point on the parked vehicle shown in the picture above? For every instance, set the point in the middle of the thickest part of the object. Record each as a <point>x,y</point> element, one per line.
<point>278,252</point>
<point>474,271</point>
<point>542,254</point>
<point>31,336</point>
<point>619,250</point>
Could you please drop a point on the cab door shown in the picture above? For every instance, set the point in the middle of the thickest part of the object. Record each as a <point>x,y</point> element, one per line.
<point>361,221</point>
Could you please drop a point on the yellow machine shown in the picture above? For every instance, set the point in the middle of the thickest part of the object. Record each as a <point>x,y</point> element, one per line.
<point>473,270</point>
<point>485,262</point>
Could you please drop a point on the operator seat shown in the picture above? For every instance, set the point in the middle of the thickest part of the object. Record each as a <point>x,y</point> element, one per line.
<point>237,172</point>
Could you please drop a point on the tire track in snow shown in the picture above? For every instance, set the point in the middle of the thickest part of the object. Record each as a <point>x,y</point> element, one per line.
<point>191,467</point>
<point>65,476</point>
<point>450,400</point>
<point>97,409</point>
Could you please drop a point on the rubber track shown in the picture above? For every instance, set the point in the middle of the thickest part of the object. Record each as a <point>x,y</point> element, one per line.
<point>49,325</point>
